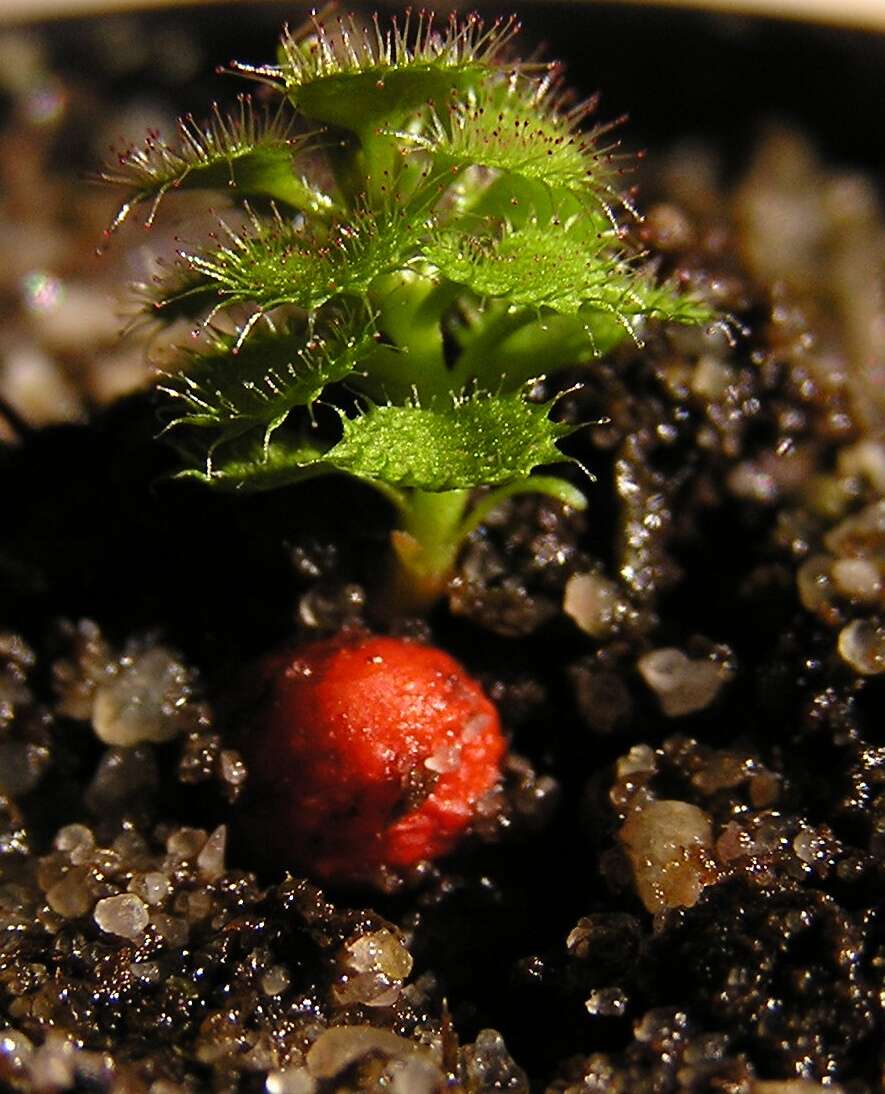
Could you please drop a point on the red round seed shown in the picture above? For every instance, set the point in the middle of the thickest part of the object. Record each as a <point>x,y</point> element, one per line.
<point>370,752</point>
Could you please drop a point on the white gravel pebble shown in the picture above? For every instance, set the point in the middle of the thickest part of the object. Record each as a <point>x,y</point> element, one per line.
<point>124,915</point>
<point>592,601</point>
<point>210,861</point>
<point>862,645</point>
<point>140,703</point>
<point>668,844</point>
<point>682,686</point>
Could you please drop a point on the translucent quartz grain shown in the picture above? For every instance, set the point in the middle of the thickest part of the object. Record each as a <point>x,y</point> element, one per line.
<point>682,685</point>
<point>382,952</point>
<point>294,1080</point>
<point>668,844</point>
<point>210,861</point>
<point>275,980</point>
<point>152,888</point>
<point>141,702</point>
<point>862,645</point>
<point>591,600</point>
<point>73,837</point>
<point>71,896</point>
<point>340,1046</point>
<point>858,579</point>
<point>124,915</point>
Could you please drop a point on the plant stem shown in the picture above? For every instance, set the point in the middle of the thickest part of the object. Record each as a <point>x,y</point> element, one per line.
<point>426,547</point>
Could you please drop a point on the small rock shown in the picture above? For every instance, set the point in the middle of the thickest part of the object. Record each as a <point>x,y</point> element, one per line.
<point>858,579</point>
<point>382,952</point>
<point>668,844</point>
<point>682,686</point>
<point>341,1046</point>
<point>814,581</point>
<point>374,967</point>
<point>197,905</point>
<point>149,971</point>
<point>170,928</point>
<point>861,535</point>
<point>294,1080</point>
<point>186,843</point>
<point>416,1076</point>
<point>607,1003</point>
<point>275,980</point>
<point>489,1065</point>
<point>210,861</point>
<point>142,702</point>
<point>233,770</point>
<point>152,888</point>
<point>866,459</point>
<point>640,760</point>
<point>593,602</point>
<point>74,837</point>
<point>862,645</point>
<point>71,897</point>
<point>124,915</point>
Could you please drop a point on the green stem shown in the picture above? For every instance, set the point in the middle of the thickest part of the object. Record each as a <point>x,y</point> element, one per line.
<point>536,484</point>
<point>426,546</point>
<point>518,346</point>
<point>433,520</point>
<point>408,307</point>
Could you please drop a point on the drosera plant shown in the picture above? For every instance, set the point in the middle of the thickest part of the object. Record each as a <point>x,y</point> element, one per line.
<point>423,226</point>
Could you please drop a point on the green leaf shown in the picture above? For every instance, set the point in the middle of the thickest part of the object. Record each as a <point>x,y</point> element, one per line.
<point>645,297</point>
<point>558,267</point>
<point>259,383</point>
<point>359,77</point>
<point>249,153</point>
<point>249,465</point>
<point>277,261</point>
<point>514,345</point>
<point>520,127</point>
<point>478,440</point>
<point>537,266</point>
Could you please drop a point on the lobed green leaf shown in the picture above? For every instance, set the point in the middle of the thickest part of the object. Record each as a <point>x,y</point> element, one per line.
<point>478,440</point>
<point>519,127</point>
<point>248,464</point>
<point>358,76</point>
<point>278,262</point>
<point>536,266</point>
<point>263,380</point>
<point>250,152</point>
<point>562,268</point>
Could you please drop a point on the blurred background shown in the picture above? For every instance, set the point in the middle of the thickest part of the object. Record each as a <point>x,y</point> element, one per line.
<point>869,13</point>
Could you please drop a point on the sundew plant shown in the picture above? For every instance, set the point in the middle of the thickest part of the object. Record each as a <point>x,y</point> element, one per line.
<point>424,226</point>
